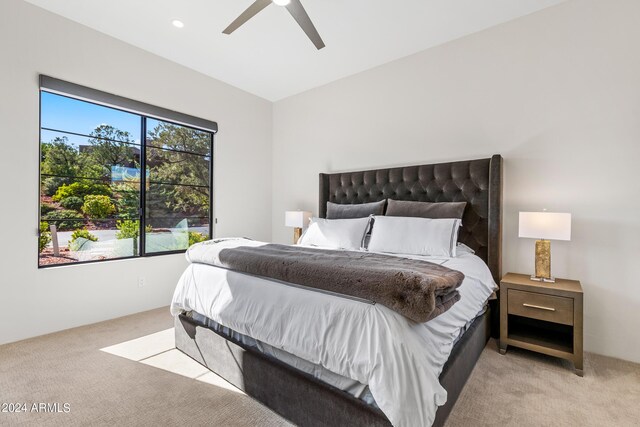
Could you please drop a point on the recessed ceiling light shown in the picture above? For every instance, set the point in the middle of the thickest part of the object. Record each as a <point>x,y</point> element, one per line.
<point>281,2</point>
<point>177,23</point>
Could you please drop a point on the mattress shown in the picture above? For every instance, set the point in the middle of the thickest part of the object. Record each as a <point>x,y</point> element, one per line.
<point>367,350</point>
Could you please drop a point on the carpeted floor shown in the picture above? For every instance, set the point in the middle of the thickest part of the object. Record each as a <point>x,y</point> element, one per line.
<point>520,388</point>
<point>103,389</point>
<point>523,388</point>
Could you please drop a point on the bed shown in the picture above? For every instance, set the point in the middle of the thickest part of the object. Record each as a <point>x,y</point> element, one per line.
<point>298,394</point>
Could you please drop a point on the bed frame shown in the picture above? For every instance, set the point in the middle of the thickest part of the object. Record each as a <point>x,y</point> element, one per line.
<point>300,397</point>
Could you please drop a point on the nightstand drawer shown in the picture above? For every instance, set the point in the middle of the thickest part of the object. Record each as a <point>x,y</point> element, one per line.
<point>540,306</point>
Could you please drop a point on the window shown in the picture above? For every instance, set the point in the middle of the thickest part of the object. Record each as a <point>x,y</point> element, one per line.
<point>95,201</point>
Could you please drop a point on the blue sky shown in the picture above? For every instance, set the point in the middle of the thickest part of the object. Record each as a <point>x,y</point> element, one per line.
<point>59,112</point>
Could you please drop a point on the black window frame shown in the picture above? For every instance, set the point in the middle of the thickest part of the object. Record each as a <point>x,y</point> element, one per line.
<point>145,112</point>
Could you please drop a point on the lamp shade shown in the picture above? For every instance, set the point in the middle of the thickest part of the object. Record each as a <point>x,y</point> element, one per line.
<point>545,225</point>
<point>298,219</point>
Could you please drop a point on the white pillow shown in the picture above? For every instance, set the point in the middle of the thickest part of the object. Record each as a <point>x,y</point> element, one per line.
<point>335,233</point>
<point>462,249</point>
<point>416,236</point>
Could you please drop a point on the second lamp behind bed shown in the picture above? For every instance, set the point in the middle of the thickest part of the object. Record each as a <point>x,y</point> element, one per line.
<point>298,220</point>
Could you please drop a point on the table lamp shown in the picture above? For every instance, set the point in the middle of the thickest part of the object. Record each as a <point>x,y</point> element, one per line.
<point>298,220</point>
<point>544,226</point>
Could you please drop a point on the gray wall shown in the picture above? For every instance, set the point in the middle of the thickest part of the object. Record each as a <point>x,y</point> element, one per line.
<point>557,93</point>
<point>34,41</point>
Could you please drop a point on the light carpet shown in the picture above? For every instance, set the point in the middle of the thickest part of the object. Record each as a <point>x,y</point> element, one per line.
<point>124,372</point>
<point>522,388</point>
<point>105,389</point>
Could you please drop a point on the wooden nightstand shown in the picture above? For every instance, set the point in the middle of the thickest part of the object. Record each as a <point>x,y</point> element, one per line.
<point>542,317</point>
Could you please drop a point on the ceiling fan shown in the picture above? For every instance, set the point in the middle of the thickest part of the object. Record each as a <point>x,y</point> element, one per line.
<point>294,7</point>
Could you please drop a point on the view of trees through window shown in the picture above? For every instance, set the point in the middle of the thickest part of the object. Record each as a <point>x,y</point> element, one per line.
<point>95,203</point>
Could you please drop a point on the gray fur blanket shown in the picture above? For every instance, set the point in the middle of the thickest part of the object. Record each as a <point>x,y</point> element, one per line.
<point>419,290</point>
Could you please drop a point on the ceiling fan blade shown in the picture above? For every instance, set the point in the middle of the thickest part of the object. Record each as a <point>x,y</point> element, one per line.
<point>251,11</point>
<point>296,10</point>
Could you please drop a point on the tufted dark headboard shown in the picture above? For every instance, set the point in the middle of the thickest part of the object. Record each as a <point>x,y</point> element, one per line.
<point>478,182</point>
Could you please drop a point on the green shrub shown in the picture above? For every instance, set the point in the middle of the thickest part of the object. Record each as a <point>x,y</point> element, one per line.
<point>72,202</point>
<point>83,234</point>
<point>81,189</point>
<point>127,229</point>
<point>127,199</point>
<point>45,208</point>
<point>44,237</point>
<point>51,184</point>
<point>98,206</point>
<point>65,219</point>
<point>195,237</point>
<point>130,229</point>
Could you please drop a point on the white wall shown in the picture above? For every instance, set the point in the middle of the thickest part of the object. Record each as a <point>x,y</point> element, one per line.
<point>34,41</point>
<point>557,93</point>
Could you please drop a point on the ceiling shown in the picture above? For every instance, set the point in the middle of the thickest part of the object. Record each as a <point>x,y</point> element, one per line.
<point>270,56</point>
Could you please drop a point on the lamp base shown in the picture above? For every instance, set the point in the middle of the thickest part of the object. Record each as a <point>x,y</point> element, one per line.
<point>543,259</point>
<point>297,232</point>
<point>543,279</point>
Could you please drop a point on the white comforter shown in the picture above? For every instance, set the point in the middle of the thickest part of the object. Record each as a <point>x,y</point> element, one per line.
<point>398,359</point>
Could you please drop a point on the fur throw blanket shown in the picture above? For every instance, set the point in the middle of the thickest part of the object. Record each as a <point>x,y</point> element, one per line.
<point>417,289</point>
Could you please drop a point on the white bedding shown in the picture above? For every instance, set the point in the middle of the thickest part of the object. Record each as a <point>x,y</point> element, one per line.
<point>398,359</point>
